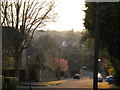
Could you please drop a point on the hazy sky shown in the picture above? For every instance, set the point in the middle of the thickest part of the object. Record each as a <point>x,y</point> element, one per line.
<point>70,15</point>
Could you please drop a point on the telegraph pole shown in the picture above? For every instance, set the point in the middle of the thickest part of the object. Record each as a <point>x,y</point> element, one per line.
<point>0,48</point>
<point>96,52</point>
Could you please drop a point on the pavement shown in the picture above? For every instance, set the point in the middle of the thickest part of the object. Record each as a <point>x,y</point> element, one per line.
<point>43,83</point>
<point>106,86</point>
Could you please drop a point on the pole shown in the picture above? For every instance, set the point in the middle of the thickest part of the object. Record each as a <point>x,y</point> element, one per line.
<point>59,70</point>
<point>0,48</point>
<point>96,52</point>
<point>0,56</point>
<point>28,64</point>
<point>30,79</point>
<point>59,66</point>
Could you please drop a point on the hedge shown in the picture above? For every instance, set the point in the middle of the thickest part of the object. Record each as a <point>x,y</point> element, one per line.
<point>11,73</point>
<point>1,79</point>
<point>10,82</point>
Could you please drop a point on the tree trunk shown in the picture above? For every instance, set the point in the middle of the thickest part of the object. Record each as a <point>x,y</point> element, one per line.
<point>17,66</point>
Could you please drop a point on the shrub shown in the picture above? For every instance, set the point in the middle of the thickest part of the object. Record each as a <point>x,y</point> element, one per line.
<point>1,79</point>
<point>10,72</point>
<point>10,82</point>
<point>37,65</point>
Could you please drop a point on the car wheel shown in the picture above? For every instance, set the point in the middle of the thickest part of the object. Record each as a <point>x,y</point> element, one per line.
<point>110,82</point>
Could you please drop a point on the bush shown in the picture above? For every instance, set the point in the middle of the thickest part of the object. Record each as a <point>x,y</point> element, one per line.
<point>1,79</point>
<point>37,65</point>
<point>10,72</point>
<point>10,82</point>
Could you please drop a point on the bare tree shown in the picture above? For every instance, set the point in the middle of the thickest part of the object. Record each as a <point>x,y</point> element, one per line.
<point>25,16</point>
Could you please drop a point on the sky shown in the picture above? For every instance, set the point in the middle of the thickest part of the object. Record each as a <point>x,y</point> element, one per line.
<point>70,15</point>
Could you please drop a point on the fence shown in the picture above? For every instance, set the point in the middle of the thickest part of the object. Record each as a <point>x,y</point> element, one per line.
<point>45,75</point>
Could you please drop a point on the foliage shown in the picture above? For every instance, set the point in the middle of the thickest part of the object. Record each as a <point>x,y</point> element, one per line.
<point>37,65</point>
<point>10,72</point>
<point>48,45</point>
<point>109,67</point>
<point>109,28</point>
<point>10,82</point>
<point>1,79</point>
<point>86,41</point>
<point>44,49</point>
<point>60,63</point>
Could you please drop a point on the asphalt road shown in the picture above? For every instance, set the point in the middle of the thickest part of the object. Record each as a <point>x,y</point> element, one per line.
<point>74,83</point>
<point>84,83</point>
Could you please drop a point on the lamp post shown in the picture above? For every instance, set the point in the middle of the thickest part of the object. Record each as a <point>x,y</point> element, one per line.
<point>96,52</point>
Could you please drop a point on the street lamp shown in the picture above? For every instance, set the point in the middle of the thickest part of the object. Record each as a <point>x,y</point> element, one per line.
<point>99,65</point>
<point>99,60</point>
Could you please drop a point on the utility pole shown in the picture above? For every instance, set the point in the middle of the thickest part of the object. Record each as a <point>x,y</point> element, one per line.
<point>0,49</point>
<point>96,52</point>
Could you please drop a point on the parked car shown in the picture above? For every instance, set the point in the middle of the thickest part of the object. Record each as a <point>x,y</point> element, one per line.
<point>76,76</point>
<point>100,79</point>
<point>110,79</point>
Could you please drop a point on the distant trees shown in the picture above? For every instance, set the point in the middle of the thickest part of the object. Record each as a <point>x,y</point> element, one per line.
<point>25,17</point>
<point>49,45</point>
<point>45,49</point>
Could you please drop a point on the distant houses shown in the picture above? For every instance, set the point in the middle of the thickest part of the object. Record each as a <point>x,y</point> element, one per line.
<point>69,44</point>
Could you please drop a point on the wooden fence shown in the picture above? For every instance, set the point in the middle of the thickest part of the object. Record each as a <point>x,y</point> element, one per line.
<point>45,75</point>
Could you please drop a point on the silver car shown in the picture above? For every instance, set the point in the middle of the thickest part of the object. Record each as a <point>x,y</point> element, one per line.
<point>100,79</point>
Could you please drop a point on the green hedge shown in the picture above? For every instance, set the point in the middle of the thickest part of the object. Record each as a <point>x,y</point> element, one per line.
<point>1,79</point>
<point>10,82</point>
<point>7,72</point>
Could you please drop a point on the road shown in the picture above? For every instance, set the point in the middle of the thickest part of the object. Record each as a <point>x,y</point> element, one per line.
<point>85,82</point>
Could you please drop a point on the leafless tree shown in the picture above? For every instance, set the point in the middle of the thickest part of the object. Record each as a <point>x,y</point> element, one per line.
<point>25,16</point>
